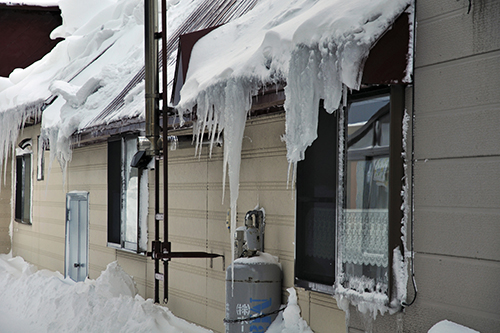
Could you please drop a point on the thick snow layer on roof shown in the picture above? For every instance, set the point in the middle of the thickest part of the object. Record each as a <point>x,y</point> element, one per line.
<point>41,3</point>
<point>102,50</point>
<point>103,40</point>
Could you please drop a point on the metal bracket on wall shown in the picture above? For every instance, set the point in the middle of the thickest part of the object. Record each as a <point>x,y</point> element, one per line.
<point>161,251</point>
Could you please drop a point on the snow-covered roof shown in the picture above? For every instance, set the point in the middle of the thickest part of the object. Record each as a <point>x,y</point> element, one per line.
<point>318,47</point>
<point>95,76</point>
<point>38,3</point>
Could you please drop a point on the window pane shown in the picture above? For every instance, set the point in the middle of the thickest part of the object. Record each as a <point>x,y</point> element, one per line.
<point>19,188</point>
<point>130,206</point>
<point>114,191</point>
<point>27,189</point>
<point>316,207</point>
<point>23,188</point>
<point>366,215</point>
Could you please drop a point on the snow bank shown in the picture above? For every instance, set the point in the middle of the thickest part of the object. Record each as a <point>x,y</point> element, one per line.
<point>290,320</point>
<point>47,302</point>
<point>446,326</point>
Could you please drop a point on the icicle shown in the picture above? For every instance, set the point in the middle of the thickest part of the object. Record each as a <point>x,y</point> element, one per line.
<point>13,121</point>
<point>340,189</point>
<point>400,264</point>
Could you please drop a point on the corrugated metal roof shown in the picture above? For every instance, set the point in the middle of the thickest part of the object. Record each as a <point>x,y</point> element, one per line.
<point>209,14</point>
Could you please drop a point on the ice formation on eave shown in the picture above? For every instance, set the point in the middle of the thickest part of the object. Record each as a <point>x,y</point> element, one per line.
<point>317,47</point>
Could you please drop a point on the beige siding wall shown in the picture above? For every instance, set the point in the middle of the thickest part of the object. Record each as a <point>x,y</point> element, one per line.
<point>457,215</point>
<point>43,242</point>
<point>198,223</point>
<point>457,202</point>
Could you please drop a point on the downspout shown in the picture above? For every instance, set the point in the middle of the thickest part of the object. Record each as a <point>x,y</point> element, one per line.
<point>156,146</point>
<point>151,109</point>
<point>151,75</point>
<point>165,144</point>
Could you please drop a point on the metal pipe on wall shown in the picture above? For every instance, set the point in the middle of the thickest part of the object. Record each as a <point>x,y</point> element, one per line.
<point>165,144</point>
<point>151,73</point>
<point>152,107</point>
<point>160,250</point>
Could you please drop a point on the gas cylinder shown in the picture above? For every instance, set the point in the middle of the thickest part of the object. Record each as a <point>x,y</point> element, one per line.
<point>255,290</point>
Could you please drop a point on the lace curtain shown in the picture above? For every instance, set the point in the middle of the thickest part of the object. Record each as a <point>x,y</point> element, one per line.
<point>365,239</point>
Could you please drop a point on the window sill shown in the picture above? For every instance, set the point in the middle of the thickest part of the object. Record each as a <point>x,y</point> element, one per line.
<point>316,287</point>
<point>118,247</point>
<point>23,222</point>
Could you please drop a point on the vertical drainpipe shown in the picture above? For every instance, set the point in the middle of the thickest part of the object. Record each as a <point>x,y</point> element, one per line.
<point>165,144</point>
<point>151,74</point>
<point>152,106</point>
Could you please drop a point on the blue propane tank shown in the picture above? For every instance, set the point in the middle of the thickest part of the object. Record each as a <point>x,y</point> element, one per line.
<point>256,291</point>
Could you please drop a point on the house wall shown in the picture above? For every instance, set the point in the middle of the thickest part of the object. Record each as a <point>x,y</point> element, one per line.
<point>457,214</point>
<point>457,202</point>
<point>43,242</point>
<point>198,223</point>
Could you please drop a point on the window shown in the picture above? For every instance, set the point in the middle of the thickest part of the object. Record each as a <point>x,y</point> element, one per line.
<point>317,208</point>
<point>365,222</point>
<point>127,197</point>
<point>23,182</point>
<point>345,234</point>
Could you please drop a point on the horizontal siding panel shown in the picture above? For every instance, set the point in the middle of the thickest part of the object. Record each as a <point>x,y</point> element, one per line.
<point>458,133</point>
<point>457,34</point>
<point>459,282</point>
<point>195,200</point>
<point>458,84</point>
<point>471,182</point>
<point>424,314</point>
<point>472,233</point>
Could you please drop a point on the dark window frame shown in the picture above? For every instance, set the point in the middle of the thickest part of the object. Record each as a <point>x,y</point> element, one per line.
<point>116,224</point>
<point>23,190</point>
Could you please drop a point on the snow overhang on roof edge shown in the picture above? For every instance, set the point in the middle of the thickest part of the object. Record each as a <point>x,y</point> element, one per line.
<point>389,61</point>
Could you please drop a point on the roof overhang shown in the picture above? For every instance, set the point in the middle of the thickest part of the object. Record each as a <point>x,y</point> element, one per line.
<point>186,44</point>
<point>389,57</point>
